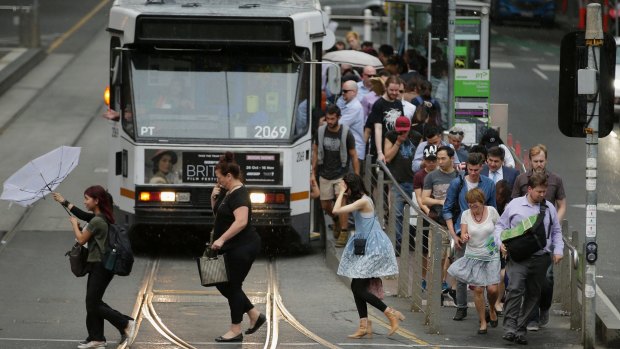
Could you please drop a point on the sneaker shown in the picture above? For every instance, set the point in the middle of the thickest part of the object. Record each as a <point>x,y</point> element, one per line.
<point>444,286</point>
<point>461,313</point>
<point>92,344</point>
<point>533,326</point>
<point>423,284</point>
<point>544,318</point>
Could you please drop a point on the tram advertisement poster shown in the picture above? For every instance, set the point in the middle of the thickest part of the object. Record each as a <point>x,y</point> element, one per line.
<point>257,168</point>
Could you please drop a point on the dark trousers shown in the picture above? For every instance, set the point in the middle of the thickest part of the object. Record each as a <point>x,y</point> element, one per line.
<point>525,282</point>
<point>238,262</point>
<point>546,295</point>
<point>96,310</point>
<point>363,297</point>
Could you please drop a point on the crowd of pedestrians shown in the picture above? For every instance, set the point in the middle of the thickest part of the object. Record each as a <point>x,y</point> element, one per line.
<point>398,117</point>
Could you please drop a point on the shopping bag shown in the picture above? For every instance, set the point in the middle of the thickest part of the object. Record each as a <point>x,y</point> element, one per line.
<point>212,268</point>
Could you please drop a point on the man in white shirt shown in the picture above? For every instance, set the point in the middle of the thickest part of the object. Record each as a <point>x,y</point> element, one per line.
<point>363,87</point>
<point>353,116</point>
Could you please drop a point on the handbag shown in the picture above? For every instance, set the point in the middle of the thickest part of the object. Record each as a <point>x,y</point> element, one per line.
<point>376,287</point>
<point>527,238</point>
<point>359,244</point>
<point>211,267</point>
<point>78,256</point>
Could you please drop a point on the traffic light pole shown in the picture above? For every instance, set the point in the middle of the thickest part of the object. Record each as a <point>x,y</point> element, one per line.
<point>451,57</point>
<point>594,41</point>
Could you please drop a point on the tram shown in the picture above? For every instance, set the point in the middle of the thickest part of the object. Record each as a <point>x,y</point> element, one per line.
<point>190,80</point>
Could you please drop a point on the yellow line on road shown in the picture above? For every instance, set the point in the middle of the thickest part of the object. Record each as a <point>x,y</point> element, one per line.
<point>76,26</point>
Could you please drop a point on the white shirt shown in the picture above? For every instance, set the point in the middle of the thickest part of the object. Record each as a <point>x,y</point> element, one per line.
<point>499,175</point>
<point>408,109</point>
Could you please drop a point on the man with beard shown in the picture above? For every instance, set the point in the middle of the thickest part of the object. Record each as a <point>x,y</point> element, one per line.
<point>384,113</point>
<point>332,152</point>
<point>554,194</point>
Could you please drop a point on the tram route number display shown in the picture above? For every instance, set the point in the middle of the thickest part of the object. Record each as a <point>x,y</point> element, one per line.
<point>257,168</point>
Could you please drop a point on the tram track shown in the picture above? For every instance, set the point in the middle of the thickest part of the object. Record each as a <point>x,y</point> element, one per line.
<point>275,309</point>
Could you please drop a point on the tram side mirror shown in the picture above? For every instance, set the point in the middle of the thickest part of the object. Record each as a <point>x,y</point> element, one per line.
<point>333,79</point>
<point>116,71</point>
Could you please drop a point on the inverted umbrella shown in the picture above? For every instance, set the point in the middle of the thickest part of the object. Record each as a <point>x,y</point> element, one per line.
<point>355,58</point>
<point>40,176</point>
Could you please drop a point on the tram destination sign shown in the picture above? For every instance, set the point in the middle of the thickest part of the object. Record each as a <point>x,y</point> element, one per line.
<point>257,168</point>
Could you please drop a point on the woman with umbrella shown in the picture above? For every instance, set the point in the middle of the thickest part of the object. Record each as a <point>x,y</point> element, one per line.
<point>98,201</point>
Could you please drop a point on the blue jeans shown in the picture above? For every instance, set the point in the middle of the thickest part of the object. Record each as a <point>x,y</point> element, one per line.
<point>399,204</point>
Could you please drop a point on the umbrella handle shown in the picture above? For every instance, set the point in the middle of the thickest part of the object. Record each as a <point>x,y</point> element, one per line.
<point>67,210</point>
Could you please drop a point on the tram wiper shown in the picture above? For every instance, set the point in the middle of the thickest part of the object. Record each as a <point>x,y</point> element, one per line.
<point>249,6</point>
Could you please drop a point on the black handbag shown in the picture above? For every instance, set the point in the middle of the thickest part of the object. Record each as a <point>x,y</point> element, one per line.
<point>78,256</point>
<point>533,239</point>
<point>359,247</point>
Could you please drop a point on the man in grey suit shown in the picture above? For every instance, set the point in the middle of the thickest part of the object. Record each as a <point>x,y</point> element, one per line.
<point>495,169</point>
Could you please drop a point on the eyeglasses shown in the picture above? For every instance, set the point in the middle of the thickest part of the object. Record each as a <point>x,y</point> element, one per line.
<point>401,91</point>
<point>460,133</point>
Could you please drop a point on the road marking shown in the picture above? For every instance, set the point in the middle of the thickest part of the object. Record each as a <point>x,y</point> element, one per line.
<point>502,65</point>
<point>541,74</point>
<point>603,206</point>
<point>523,48</point>
<point>76,26</point>
<point>548,67</point>
<point>603,297</point>
<point>550,54</point>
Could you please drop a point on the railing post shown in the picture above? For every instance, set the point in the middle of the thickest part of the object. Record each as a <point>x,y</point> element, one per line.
<point>575,315</point>
<point>563,280</point>
<point>416,290</point>
<point>433,303</point>
<point>379,202</point>
<point>367,25</point>
<point>368,172</point>
<point>29,35</point>
<point>391,226</point>
<point>404,262</point>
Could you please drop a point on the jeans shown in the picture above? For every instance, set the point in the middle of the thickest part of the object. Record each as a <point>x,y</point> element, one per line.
<point>399,204</point>
<point>461,287</point>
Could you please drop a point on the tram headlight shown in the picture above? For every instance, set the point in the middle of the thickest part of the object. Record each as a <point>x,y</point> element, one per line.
<point>257,198</point>
<point>167,196</point>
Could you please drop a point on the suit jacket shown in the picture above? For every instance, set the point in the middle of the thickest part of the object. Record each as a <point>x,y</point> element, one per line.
<point>510,174</point>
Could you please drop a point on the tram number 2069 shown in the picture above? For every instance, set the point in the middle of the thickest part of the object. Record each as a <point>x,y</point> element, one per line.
<point>269,132</point>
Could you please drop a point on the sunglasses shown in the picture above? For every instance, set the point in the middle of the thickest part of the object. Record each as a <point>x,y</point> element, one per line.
<point>460,133</point>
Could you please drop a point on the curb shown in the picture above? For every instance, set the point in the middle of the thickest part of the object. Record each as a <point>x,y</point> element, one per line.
<point>19,66</point>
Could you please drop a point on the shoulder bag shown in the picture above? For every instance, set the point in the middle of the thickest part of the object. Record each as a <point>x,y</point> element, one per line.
<point>78,256</point>
<point>359,244</point>
<point>211,267</point>
<point>527,238</point>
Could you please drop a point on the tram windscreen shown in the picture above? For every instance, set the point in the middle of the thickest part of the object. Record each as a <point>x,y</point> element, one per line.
<point>194,96</point>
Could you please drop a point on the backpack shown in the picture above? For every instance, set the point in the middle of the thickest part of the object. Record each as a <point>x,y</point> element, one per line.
<point>118,257</point>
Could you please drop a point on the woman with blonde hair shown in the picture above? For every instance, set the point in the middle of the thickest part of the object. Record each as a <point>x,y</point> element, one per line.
<point>480,266</point>
<point>353,39</point>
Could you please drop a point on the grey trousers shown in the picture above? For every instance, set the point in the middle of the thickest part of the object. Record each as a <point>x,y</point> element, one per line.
<point>525,281</point>
<point>461,287</point>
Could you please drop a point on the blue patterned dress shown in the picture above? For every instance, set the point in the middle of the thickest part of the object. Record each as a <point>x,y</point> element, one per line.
<point>379,259</point>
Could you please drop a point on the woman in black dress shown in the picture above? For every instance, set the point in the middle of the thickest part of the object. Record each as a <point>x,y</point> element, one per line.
<point>235,236</point>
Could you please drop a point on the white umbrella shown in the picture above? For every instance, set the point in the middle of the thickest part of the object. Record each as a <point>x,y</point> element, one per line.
<point>40,176</point>
<point>355,58</point>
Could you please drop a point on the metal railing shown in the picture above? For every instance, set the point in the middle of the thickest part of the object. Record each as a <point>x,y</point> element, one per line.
<point>412,260</point>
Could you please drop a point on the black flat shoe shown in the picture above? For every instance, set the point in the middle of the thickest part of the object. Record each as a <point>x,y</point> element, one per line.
<point>237,338</point>
<point>509,337</point>
<point>520,340</point>
<point>482,331</point>
<point>493,323</point>
<point>259,322</point>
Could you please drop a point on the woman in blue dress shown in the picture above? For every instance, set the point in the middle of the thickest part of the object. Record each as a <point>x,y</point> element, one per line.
<point>378,259</point>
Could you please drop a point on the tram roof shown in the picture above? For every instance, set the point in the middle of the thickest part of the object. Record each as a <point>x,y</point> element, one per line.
<point>460,4</point>
<point>241,8</point>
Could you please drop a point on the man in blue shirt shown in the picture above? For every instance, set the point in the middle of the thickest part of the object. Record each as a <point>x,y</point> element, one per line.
<point>456,196</point>
<point>526,278</point>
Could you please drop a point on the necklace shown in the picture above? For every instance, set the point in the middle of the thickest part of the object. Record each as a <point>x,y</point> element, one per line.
<point>234,188</point>
<point>476,219</point>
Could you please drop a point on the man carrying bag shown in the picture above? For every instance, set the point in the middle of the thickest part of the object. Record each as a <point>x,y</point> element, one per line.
<point>526,272</point>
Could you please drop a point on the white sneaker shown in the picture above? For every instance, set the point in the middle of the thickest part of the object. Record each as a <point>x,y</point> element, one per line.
<point>92,344</point>
<point>533,326</point>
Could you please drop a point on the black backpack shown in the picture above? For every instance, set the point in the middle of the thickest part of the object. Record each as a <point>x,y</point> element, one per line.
<point>118,257</point>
